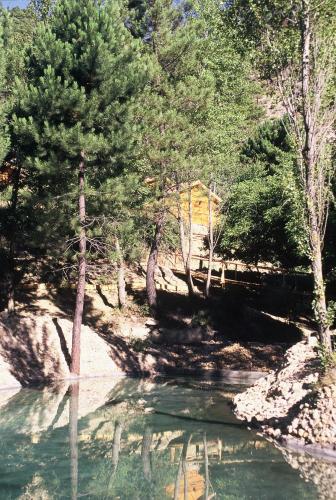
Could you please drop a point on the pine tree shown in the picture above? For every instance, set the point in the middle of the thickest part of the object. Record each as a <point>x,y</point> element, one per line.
<point>71,118</point>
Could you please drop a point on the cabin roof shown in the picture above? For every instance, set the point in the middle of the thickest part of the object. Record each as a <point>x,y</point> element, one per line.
<point>196,184</point>
<point>199,184</point>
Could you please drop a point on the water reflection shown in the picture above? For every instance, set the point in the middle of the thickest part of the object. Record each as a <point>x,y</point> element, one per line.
<point>138,439</point>
<point>322,473</point>
<point>73,438</point>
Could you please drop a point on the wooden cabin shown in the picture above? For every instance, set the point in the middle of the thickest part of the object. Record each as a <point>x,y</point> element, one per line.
<point>198,193</point>
<point>200,212</point>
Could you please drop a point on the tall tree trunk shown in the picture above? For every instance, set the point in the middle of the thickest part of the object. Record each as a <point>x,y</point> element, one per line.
<point>121,276</point>
<point>312,181</point>
<point>211,246</point>
<point>190,282</point>
<point>78,316</point>
<point>152,262</point>
<point>12,238</point>
<point>73,439</point>
<point>320,305</point>
<point>186,255</point>
<point>182,234</point>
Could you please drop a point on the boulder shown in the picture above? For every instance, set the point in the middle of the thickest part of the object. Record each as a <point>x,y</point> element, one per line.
<point>36,349</point>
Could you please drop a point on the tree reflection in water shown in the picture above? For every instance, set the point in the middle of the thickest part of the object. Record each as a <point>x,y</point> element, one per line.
<point>73,438</point>
<point>121,439</point>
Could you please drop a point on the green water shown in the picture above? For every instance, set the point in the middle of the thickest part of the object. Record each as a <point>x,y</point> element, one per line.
<point>136,439</point>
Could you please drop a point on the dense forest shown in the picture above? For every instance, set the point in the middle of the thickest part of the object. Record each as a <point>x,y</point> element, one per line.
<point>111,109</point>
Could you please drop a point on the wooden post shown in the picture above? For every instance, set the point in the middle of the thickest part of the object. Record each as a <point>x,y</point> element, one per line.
<point>222,278</point>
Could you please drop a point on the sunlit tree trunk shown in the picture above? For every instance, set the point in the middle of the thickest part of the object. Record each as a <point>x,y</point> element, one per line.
<point>152,263</point>
<point>80,295</point>
<point>190,282</point>
<point>312,117</point>
<point>186,246</point>
<point>211,245</point>
<point>312,181</point>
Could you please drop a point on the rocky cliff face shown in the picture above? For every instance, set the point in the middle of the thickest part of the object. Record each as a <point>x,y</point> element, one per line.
<point>36,349</point>
<point>292,405</point>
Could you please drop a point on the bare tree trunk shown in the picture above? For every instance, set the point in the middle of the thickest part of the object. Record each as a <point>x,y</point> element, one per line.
<point>73,438</point>
<point>152,263</point>
<point>211,245</point>
<point>12,237</point>
<point>190,282</point>
<point>186,255</point>
<point>312,182</point>
<point>145,453</point>
<point>208,281</point>
<point>182,234</point>
<point>121,277</point>
<point>78,316</point>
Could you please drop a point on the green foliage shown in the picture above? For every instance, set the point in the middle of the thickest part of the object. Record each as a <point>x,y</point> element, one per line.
<point>331,312</point>
<point>41,8</point>
<point>198,107</point>
<point>119,203</point>
<point>201,318</point>
<point>84,69</point>
<point>264,221</point>
<point>327,358</point>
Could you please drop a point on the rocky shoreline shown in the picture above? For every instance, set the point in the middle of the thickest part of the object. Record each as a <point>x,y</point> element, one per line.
<point>294,404</point>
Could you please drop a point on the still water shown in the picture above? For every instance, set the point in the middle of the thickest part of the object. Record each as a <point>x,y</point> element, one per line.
<point>138,439</point>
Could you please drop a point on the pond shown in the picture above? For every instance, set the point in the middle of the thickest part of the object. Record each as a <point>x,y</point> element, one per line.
<point>139,439</point>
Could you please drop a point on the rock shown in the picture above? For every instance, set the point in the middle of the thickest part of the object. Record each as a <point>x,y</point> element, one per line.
<point>288,396</point>
<point>36,349</point>
<point>151,322</point>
